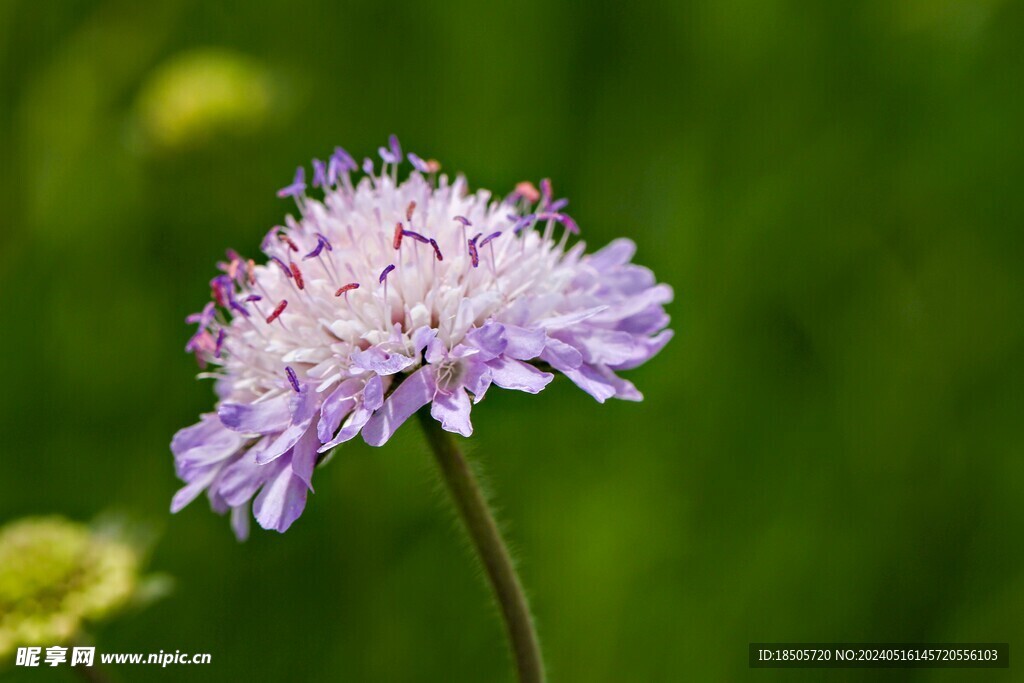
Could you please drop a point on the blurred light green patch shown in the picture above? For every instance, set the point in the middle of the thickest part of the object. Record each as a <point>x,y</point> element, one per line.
<point>57,575</point>
<point>203,94</point>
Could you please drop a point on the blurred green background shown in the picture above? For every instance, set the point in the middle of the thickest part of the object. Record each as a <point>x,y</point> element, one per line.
<point>830,449</point>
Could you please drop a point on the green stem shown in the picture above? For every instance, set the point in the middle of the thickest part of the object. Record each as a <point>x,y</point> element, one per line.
<point>490,548</point>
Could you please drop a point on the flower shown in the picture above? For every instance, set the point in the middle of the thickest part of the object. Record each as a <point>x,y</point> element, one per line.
<point>55,575</point>
<point>384,297</point>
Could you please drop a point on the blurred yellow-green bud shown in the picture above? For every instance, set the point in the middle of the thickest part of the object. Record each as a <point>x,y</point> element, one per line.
<point>202,94</point>
<point>56,575</point>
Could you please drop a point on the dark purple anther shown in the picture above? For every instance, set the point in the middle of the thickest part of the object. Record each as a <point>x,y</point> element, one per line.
<point>416,236</point>
<point>220,341</point>
<point>253,297</point>
<point>384,273</point>
<point>327,242</point>
<point>437,250</point>
<point>292,379</point>
<point>545,194</point>
<point>418,163</point>
<point>316,250</point>
<point>463,220</point>
<point>368,166</point>
<point>490,237</point>
<point>283,265</point>
<point>474,255</point>
<point>558,205</point>
<point>238,307</point>
<point>319,174</point>
<point>298,185</point>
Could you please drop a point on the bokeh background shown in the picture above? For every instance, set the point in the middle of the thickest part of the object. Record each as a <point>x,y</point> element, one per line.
<point>830,449</point>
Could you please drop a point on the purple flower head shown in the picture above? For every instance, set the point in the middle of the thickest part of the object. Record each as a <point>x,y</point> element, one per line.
<point>307,360</point>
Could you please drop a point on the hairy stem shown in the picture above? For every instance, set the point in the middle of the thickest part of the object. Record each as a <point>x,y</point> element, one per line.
<point>490,548</point>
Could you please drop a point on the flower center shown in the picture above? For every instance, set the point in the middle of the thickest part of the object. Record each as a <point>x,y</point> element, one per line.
<point>449,373</point>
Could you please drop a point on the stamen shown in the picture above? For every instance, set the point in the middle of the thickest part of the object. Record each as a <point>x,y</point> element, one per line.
<point>219,291</point>
<point>527,190</point>
<point>234,305</point>
<point>283,266</point>
<point>433,165</point>
<point>278,310</point>
<point>320,243</point>
<point>200,341</point>
<point>545,193</point>
<point>416,236</point>
<point>489,238</point>
<point>319,174</point>
<point>287,240</point>
<point>368,166</point>
<point>297,187</point>
<point>253,297</point>
<point>437,250</point>
<point>204,317</point>
<point>418,163</point>
<point>462,219</point>
<point>221,334</point>
<point>299,282</point>
<point>523,222</point>
<point>250,272</point>
<point>268,239</point>
<point>474,255</point>
<point>347,288</point>
<point>392,154</point>
<point>408,211</point>
<point>343,160</point>
<point>326,242</point>
<point>397,242</point>
<point>384,273</point>
<point>562,218</point>
<point>292,379</point>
